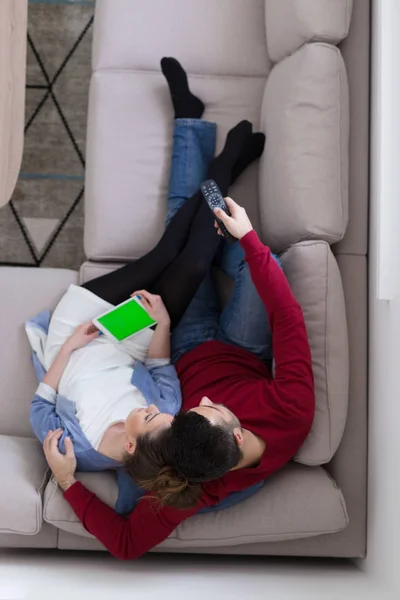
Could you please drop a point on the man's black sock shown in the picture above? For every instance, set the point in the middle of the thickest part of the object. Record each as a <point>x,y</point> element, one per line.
<point>252,150</point>
<point>221,167</point>
<point>186,104</point>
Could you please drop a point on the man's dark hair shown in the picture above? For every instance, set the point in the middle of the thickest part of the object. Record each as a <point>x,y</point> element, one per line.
<point>174,462</point>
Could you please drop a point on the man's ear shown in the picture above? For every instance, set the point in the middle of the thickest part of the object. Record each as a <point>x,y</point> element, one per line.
<point>238,435</point>
<point>130,446</point>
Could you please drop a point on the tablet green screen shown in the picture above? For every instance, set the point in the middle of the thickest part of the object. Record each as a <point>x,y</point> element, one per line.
<point>126,319</point>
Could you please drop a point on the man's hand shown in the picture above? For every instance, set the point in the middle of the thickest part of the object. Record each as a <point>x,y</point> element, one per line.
<point>238,224</point>
<point>82,335</point>
<point>154,306</point>
<point>62,466</point>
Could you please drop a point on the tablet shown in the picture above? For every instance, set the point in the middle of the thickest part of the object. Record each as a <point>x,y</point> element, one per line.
<point>124,320</point>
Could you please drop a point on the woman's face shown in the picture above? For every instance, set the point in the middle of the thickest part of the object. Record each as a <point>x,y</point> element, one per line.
<point>144,420</point>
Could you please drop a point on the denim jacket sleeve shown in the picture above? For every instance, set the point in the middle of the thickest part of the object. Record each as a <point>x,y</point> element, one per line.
<point>43,415</point>
<point>159,385</point>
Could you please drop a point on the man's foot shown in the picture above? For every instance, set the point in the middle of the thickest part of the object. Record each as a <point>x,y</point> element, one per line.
<point>221,167</point>
<point>252,150</point>
<point>186,104</point>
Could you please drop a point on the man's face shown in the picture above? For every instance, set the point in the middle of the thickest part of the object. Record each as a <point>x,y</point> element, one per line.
<point>217,414</point>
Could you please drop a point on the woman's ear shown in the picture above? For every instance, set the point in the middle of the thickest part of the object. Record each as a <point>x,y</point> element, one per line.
<point>130,446</point>
<point>238,434</point>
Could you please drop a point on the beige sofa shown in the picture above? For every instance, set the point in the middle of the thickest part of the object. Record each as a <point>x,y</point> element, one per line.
<point>288,66</point>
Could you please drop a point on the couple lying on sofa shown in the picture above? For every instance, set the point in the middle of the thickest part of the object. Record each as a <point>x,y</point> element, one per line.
<point>238,424</point>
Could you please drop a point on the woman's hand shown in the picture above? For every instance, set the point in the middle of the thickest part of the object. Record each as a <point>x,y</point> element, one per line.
<point>82,335</point>
<point>63,466</point>
<point>154,306</point>
<point>238,224</point>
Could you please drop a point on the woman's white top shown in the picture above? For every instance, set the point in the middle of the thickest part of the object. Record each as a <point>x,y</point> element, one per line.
<point>98,377</point>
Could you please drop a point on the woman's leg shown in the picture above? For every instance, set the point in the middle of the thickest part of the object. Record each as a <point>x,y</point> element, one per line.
<point>194,140</point>
<point>193,149</point>
<point>115,287</point>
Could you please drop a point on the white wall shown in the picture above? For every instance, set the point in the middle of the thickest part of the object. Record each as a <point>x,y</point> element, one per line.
<point>384,329</point>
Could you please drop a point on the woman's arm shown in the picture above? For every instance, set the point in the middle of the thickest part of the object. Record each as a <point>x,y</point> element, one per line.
<point>81,337</point>
<point>54,374</point>
<point>160,346</point>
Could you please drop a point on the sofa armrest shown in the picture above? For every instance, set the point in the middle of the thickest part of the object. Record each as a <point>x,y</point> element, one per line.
<point>23,475</point>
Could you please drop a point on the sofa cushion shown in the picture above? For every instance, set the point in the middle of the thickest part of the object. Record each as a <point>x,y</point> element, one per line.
<point>24,293</point>
<point>59,513</point>
<point>315,279</point>
<point>304,168</point>
<point>211,52</point>
<point>129,154</point>
<point>295,503</point>
<point>91,270</point>
<point>23,473</point>
<point>292,23</point>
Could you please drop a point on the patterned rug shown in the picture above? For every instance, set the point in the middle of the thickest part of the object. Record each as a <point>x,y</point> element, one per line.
<point>43,223</point>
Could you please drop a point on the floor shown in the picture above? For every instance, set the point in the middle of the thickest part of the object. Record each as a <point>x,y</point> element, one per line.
<point>164,577</point>
<point>43,224</point>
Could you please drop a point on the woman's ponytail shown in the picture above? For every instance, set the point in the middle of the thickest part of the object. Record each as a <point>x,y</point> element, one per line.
<point>150,467</point>
<point>172,490</point>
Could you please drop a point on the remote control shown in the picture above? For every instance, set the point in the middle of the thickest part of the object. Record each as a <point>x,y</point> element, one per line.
<point>214,198</point>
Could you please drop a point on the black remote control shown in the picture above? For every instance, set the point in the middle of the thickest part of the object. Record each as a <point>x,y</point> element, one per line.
<point>214,198</point>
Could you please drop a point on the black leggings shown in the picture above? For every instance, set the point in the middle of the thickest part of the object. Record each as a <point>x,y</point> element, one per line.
<point>175,268</point>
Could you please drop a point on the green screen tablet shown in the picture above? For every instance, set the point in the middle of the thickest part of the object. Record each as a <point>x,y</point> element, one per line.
<point>124,320</point>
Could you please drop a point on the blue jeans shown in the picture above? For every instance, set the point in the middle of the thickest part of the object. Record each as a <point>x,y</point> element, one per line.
<point>244,320</point>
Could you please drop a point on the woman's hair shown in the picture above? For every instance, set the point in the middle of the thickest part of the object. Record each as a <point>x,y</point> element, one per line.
<point>174,462</point>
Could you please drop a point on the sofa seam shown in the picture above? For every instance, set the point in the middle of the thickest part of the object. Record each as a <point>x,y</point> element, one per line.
<point>54,487</point>
<point>327,354</point>
<point>348,16</point>
<point>342,500</point>
<point>338,54</point>
<point>307,461</point>
<point>110,71</point>
<point>40,489</point>
<point>340,136</point>
<point>341,153</point>
<point>301,534</point>
<point>311,462</point>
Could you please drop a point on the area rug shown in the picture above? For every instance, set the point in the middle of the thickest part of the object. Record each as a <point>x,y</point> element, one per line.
<point>42,226</point>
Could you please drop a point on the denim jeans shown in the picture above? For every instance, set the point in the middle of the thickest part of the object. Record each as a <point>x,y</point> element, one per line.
<point>244,320</point>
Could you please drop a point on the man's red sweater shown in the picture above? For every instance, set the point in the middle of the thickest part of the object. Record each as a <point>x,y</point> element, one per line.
<point>279,410</point>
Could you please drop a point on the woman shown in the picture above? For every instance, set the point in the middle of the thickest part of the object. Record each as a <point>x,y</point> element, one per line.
<point>99,392</point>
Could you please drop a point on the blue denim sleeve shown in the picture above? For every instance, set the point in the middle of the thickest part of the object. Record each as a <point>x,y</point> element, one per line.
<point>234,498</point>
<point>43,418</point>
<point>159,385</point>
<point>129,493</point>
